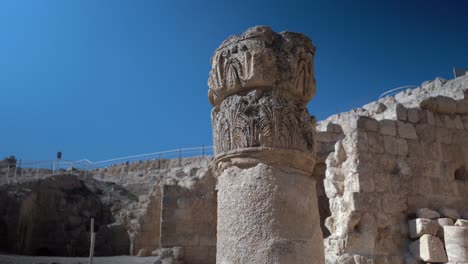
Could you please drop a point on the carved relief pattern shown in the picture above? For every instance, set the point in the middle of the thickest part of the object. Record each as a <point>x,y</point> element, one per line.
<point>262,61</point>
<point>261,119</point>
<point>232,68</point>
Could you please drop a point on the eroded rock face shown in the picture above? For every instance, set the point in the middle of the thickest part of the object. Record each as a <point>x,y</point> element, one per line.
<point>51,217</point>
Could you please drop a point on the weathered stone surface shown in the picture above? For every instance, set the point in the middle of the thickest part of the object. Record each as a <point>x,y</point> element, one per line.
<point>251,61</point>
<point>259,121</point>
<point>260,107</point>
<point>388,127</point>
<point>440,104</point>
<point>427,213</point>
<point>367,123</point>
<point>50,216</point>
<point>462,222</point>
<point>188,218</point>
<point>450,213</point>
<point>271,209</point>
<point>406,130</point>
<point>456,243</point>
<point>443,222</point>
<point>422,226</point>
<point>429,249</point>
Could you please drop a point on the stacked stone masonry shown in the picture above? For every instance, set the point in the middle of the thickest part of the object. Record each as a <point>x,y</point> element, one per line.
<point>396,156</point>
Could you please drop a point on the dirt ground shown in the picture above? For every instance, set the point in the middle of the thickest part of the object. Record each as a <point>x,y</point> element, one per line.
<point>13,259</point>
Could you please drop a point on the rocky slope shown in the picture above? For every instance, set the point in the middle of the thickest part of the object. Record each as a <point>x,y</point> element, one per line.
<point>52,216</point>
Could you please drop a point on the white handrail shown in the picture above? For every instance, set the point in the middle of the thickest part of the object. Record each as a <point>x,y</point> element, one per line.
<point>86,162</point>
<point>397,89</point>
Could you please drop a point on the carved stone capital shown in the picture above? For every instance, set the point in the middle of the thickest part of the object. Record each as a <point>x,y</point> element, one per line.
<point>261,58</point>
<point>266,123</point>
<point>260,84</point>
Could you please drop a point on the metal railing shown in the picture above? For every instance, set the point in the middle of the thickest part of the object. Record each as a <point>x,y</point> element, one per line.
<point>22,169</point>
<point>397,90</point>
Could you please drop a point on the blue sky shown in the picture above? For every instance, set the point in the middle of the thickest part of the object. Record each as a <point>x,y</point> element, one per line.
<point>109,78</point>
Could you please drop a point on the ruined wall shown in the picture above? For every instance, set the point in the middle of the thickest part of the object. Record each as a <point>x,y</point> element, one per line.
<point>147,235</point>
<point>188,218</point>
<point>396,156</point>
<point>51,217</point>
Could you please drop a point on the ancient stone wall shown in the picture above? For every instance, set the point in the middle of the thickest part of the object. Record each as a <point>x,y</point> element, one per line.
<point>188,218</point>
<point>392,161</point>
<point>147,235</point>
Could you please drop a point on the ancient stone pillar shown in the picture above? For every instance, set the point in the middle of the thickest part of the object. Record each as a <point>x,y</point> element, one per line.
<point>264,140</point>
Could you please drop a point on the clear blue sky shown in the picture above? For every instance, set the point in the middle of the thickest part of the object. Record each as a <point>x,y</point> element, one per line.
<point>109,78</point>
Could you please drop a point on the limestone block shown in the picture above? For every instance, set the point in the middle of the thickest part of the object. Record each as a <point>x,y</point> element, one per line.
<point>440,104</point>
<point>334,128</point>
<point>443,222</point>
<point>427,213</point>
<point>422,226</point>
<point>450,213</point>
<point>449,122</point>
<point>456,243</point>
<point>390,145</point>
<point>462,222</point>
<point>375,141</point>
<point>368,124</point>
<point>406,130</point>
<point>430,118</point>
<point>388,127</point>
<point>429,249</point>
<point>459,123</point>
<point>462,107</point>
<point>401,112</point>
<point>402,147</point>
<point>413,115</point>
<point>465,121</point>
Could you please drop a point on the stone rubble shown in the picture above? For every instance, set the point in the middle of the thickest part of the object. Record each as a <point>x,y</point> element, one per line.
<point>429,249</point>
